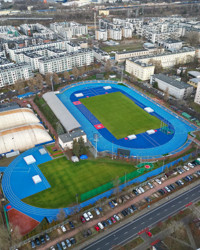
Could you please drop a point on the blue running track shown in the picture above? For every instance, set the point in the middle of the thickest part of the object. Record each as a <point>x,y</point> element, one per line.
<point>145,145</point>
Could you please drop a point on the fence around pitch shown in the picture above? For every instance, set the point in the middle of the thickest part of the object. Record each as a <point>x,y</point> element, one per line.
<point>130,178</point>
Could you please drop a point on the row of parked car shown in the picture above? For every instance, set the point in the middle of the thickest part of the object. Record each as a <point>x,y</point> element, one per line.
<point>178,183</point>
<point>40,240</point>
<point>87,216</point>
<point>64,244</point>
<point>115,218</point>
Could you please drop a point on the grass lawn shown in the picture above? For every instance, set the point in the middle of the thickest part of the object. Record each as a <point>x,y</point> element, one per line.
<point>121,47</point>
<point>120,115</point>
<point>68,179</point>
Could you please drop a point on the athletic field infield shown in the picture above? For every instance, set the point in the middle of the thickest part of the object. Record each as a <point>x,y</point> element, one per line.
<point>120,115</point>
<point>68,179</point>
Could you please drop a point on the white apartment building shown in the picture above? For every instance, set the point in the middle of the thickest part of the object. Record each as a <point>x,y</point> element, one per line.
<point>63,45</point>
<point>127,32</point>
<point>170,59</point>
<point>66,62</point>
<point>101,35</point>
<point>175,88</point>
<point>32,59</point>
<point>10,74</point>
<point>69,29</point>
<point>142,71</point>
<point>115,34</point>
<point>122,56</point>
<point>197,95</point>
<point>37,29</point>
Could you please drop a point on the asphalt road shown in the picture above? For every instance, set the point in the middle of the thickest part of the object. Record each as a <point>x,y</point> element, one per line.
<point>131,229</point>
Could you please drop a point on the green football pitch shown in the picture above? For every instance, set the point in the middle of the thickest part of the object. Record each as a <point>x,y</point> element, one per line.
<point>120,115</point>
<point>68,179</point>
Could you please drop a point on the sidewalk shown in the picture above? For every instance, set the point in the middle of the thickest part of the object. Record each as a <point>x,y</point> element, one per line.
<point>123,206</point>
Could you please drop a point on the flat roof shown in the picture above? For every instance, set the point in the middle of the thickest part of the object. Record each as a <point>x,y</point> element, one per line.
<point>171,81</point>
<point>61,112</point>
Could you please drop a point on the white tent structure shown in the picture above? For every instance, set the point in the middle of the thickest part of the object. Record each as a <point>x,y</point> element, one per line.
<point>131,137</point>
<point>29,159</point>
<point>79,94</point>
<point>148,110</point>
<point>36,179</point>
<point>23,137</point>
<point>150,131</point>
<point>17,117</point>
<point>107,87</point>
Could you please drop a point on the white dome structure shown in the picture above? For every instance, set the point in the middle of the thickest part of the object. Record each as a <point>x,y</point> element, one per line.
<point>17,117</point>
<point>23,137</point>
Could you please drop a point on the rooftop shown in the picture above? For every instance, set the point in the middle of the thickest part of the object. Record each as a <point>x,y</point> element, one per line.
<point>171,81</point>
<point>68,137</point>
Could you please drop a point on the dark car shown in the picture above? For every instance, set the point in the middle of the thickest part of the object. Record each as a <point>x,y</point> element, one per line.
<point>58,246</point>
<point>111,205</point>
<point>147,199</point>
<point>173,186</point>
<point>37,241</point>
<point>133,207</point>
<point>104,224</point>
<point>73,241</point>
<point>135,192</point>
<point>71,224</point>
<point>42,239</point>
<point>161,191</point>
<point>178,183</point>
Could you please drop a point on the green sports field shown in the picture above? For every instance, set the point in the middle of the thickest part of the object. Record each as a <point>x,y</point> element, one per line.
<point>120,115</point>
<point>68,179</point>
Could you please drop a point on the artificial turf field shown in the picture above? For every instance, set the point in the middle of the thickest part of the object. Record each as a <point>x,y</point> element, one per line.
<point>120,115</point>
<point>68,179</point>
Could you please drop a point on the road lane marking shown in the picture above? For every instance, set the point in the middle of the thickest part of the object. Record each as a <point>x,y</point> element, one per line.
<point>115,238</point>
<point>179,201</point>
<point>173,205</point>
<point>126,232</point>
<point>150,218</point>
<point>142,222</point>
<point>107,243</point>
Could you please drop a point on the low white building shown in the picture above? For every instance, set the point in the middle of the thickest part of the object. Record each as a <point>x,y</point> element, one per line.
<point>101,55</point>
<point>197,95</point>
<point>172,44</point>
<point>66,140</point>
<point>175,88</point>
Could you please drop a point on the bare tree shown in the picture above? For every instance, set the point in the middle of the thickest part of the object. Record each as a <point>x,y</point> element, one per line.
<point>66,75</point>
<point>19,86</point>
<point>56,79</point>
<point>61,215</point>
<point>48,79</point>
<point>75,72</point>
<point>166,96</point>
<point>193,38</point>
<point>116,183</point>
<point>16,235</point>
<point>108,66</point>
<point>4,238</point>
<point>31,84</point>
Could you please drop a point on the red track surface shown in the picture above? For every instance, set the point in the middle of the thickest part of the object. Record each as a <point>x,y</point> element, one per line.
<point>24,222</point>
